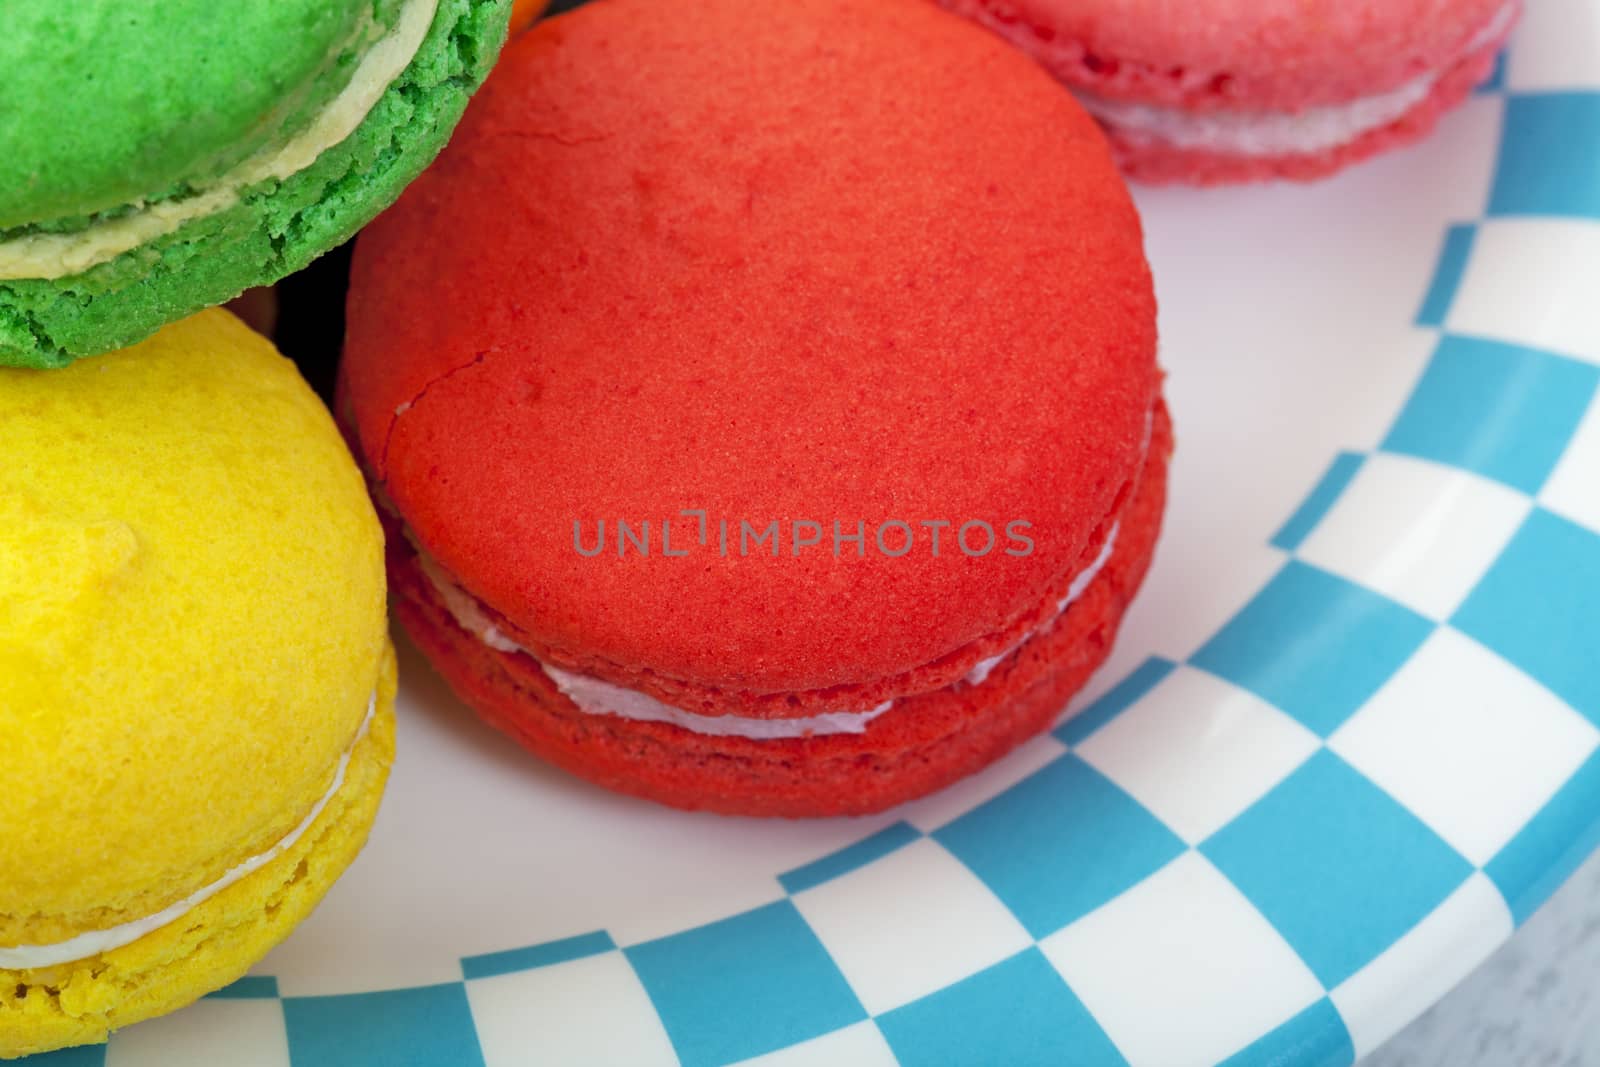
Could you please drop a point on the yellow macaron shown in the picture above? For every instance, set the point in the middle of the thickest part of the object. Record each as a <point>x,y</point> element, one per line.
<point>196,682</point>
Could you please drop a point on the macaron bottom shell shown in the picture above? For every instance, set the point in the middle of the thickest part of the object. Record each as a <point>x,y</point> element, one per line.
<point>922,744</point>
<point>218,941</point>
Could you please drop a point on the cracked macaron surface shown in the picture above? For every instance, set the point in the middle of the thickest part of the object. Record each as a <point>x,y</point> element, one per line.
<point>1256,88</point>
<point>159,159</point>
<point>866,265</point>
<point>196,684</point>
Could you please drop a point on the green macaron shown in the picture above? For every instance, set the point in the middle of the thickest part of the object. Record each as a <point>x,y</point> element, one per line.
<point>158,159</point>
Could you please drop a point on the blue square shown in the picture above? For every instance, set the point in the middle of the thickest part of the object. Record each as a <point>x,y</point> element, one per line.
<point>547,954</point>
<point>1059,844</point>
<point>1452,267</point>
<point>1549,156</point>
<point>1317,1037</point>
<point>250,987</point>
<point>1315,645</point>
<point>1018,1012</point>
<point>1539,607</point>
<point>890,839</point>
<point>83,1056</point>
<point>1503,411</point>
<point>744,986</point>
<point>1336,865</point>
<point>1546,851</point>
<point>427,1027</point>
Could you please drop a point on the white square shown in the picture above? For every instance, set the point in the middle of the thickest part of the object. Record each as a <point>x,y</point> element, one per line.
<point>949,804</point>
<point>910,924</point>
<point>239,1033</point>
<point>1574,487</point>
<point>1421,533</point>
<point>1180,969</point>
<point>1197,751</point>
<point>1471,745</point>
<point>592,1010</point>
<point>1416,971</point>
<point>1555,46</point>
<point>861,1045</point>
<point>1530,281</point>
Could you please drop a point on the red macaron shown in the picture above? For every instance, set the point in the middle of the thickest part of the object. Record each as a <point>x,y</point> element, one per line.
<point>1247,89</point>
<point>765,402</point>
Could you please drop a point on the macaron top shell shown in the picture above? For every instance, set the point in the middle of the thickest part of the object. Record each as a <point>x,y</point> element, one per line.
<point>191,622</point>
<point>106,103</point>
<point>1269,54</point>
<point>822,260</point>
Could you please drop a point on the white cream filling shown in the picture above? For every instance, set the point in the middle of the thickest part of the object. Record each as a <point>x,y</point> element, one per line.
<point>53,255</point>
<point>94,942</point>
<point>461,605</point>
<point>983,668</point>
<point>602,698</point>
<point>1271,133</point>
<point>596,697</point>
<point>1260,133</point>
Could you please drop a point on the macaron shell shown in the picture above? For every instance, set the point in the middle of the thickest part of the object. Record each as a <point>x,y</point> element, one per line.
<point>838,273</point>
<point>922,744</point>
<point>192,618</point>
<point>107,103</point>
<point>218,941</point>
<point>275,230</point>
<point>1154,162</point>
<point>1278,55</point>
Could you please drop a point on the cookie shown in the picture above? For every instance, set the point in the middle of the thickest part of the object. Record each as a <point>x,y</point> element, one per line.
<point>196,685</point>
<point>159,161</point>
<point>765,404</point>
<point>1256,88</point>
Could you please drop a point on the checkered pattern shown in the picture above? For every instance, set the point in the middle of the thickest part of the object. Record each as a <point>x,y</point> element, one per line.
<point>1384,761</point>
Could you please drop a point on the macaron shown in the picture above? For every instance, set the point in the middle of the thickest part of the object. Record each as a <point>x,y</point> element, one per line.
<point>159,159</point>
<point>764,405</point>
<point>1254,89</point>
<point>196,685</point>
<point>525,12</point>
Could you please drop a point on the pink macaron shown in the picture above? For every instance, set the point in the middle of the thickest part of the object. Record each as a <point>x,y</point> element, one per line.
<point>1237,90</point>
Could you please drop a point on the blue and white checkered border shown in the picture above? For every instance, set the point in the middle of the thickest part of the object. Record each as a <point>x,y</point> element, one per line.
<point>1409,765</point>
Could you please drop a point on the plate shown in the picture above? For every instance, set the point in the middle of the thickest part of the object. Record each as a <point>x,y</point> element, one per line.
<point>1348,739</point>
